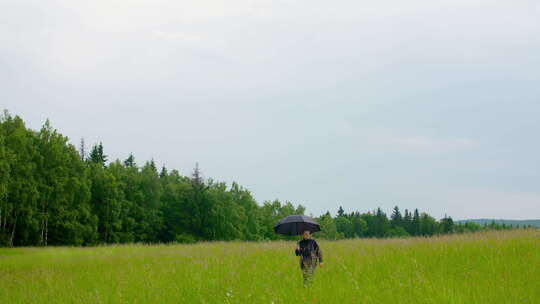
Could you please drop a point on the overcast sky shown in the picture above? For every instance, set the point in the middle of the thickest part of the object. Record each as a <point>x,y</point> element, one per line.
<point>422,104</point>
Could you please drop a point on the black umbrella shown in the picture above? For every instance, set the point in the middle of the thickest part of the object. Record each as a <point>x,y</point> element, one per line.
<point>296,224</point>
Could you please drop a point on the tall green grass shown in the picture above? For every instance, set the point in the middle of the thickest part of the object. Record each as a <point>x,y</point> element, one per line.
<point>488,267</point>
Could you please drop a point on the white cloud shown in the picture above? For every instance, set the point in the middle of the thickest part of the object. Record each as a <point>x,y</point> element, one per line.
<point>489,203</point>
<point>430,144</point>
<point>176,36</point>
<point>395,141</point>
<point>264,43</point>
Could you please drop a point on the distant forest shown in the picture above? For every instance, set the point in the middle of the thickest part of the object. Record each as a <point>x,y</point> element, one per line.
<point>53,193</point>
<point>515,223</point>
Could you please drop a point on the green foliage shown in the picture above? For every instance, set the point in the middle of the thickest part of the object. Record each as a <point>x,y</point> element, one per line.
<point>184,238</point>
<point>97,156</point>
<point>376,224</point>
<point>344,226</point>
<point>397,231</point>
<point>52,194</point>
<point>328,228</point>
<point>514,223</point>
<point>396,219</point>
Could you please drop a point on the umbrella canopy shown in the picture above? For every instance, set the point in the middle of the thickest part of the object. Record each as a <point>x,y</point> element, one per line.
<point>296,224</point>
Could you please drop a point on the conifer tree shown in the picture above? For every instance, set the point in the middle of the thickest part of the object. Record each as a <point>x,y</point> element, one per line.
<point>130,161</point>
<point>396,218</point>
<point>415,225</point>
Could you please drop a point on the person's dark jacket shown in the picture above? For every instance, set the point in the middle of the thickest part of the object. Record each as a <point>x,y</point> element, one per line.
<point>309,249</point>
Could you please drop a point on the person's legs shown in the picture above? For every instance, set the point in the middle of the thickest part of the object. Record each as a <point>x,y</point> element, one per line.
<point>308,269</point>
<point>306,275</point>
<point>311,274</point>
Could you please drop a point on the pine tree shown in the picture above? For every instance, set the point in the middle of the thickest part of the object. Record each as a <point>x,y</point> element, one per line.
<point>130,161</point>
<point>447,224</point>
<point>82,150</point>
<point>97,156</point>
<point>199,205</point>
<point>407,222</point>
<point>341,212</point>
<point>197,179</point>
<point>396,218</point>
<point>102,156</point>
<point>153,166</point>
<point>163,173</point>
<point>416,223</point>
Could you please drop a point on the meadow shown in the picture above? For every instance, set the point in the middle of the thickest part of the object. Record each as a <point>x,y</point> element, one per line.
<point>484,267</point>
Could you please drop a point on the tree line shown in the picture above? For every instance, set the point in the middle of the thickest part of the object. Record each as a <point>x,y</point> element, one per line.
<point>409,223</point>
<point>53,193</point>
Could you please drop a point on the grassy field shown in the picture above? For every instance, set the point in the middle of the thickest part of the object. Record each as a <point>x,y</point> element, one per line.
<point>489,267</point>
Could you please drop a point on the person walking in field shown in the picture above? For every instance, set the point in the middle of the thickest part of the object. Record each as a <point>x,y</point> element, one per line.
<point>310,256</point>
<point>307,249</point>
